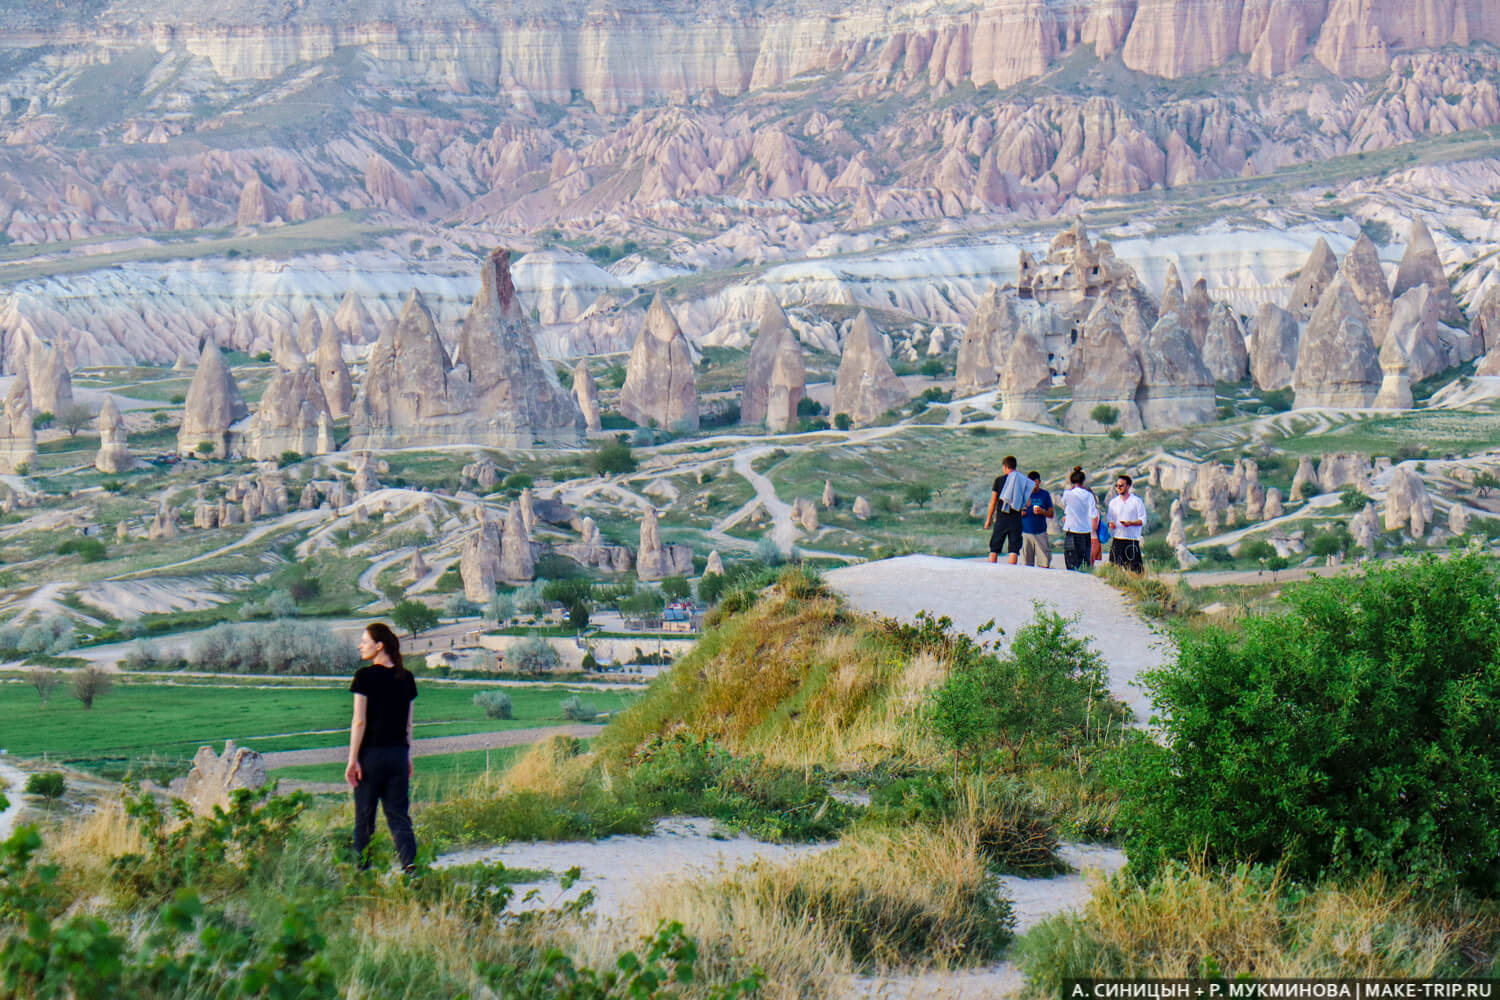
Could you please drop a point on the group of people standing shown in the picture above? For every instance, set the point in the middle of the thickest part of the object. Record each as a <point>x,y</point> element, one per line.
<point>1020,508</point>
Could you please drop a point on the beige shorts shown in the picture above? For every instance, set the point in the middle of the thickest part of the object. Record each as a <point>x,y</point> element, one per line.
<point>1036,549</point>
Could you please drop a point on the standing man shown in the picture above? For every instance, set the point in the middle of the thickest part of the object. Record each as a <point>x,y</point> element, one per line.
<point>1127,519</point>
<point>1008,498</point>
<point>1036,547</point>
<point>1080,522</point>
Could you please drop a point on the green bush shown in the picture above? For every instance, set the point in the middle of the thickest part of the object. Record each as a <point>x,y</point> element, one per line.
<point>414,616</point>
<point>612,457</point>
<point>90,550</point>
<point>50,785</point>
<point>496,704</point>
<point>574,710</point>
<point>533,655</point>
<point>1353,733</point>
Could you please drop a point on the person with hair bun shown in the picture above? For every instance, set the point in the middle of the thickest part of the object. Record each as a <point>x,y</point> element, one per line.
<point>1080,522</point>
<point>379,768</point>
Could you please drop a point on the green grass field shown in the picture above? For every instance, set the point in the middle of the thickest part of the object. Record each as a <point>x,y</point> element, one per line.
<point>158,726</point>
<point>435,777</point>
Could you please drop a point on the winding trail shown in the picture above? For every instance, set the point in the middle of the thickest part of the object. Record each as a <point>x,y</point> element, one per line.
<point>783,532</point>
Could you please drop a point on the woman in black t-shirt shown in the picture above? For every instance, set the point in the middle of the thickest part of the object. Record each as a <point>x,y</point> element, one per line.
<point>380,767</point>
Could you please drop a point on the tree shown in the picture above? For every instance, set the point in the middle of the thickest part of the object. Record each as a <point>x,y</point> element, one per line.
<point>45,682</point>
<point>1484,482</point>
<point>533,655</point>
<point>711,587</point>
<point>42,420</point>
<point>1337,738</point>
<point>676,588</point>
<point>578,616</point>
<point>89,683</point>
<point>843,421</point>
<point>918,493</point>
<point>932,368</point>
<point>75,417</point>
<point>50,785</point>
<point>611,457</point>
<point>496,704</point>
<point>414,616</point>
<point>1104,415</point>
<point>516,482</point>
<point>393,591</point>
<point>500,609</point>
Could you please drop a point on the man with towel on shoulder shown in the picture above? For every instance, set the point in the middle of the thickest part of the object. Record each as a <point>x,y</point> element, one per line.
<point>1008,498</point>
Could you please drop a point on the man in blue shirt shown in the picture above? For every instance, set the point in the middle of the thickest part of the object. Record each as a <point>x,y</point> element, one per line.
<point>1036,547</point>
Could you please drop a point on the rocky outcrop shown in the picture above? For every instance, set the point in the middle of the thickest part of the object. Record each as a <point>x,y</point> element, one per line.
<point>986,342</point>
<point>1305,481</point>
<point>1274,343</point>
<point>1421,265</point>
<point>861,509</point>
<point>1336,361</point>
<point>1104,371</point>
<point>113,455</point>
<point>655,561</point>
<point>1486,326</point>
<point>1395,370</point>
<point>1176,389</point>
<point>1414,322</point>
<point>1366,278</point>
<point>592,550</point>
<point>773,339</point>
<point>352,321</point>
<point>289,416</point>
<point>212,407</point>
<point>1197,313</point>
<point>1344,468</point>
<point>829,499</point>
<point>660,387</point>
<point>163,526</point>
<point>1273,508</point>
<point>714,565</point>
<point>309,335</point>
<point>1025,379</point>
<point>51,383</point>
<point>866,386</point>
<point>586,395</point>
<point>1407,505</point>
<point>1311,280</point>
<point>1224,353</point>
<point>516,562</point>
<point>1364,527</point>
<point>333,373</point>
<point>215,777</point>
<point>479,560</point>
<point>1458,519</point>
<point>788,387</point>
<point>18,436</point>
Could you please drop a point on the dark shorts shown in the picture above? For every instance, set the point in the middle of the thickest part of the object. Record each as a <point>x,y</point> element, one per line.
<point>1007,530</point>
<point>1126,553</point>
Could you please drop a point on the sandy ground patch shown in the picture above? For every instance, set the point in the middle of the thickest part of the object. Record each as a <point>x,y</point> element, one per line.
<point>12,780</point>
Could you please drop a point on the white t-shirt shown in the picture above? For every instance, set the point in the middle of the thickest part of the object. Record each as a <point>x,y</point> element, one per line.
<point>1127,508</point>
<point>1079,510</point>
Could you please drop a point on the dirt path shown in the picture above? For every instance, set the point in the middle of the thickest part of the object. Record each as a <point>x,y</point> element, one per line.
<point>972,591</point>
<point>12,779</point>
<point>436,745</point>
<point>782,530</point>
<point>293,520</point>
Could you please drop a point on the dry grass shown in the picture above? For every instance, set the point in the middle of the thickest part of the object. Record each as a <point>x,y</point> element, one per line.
<point>88,845</point>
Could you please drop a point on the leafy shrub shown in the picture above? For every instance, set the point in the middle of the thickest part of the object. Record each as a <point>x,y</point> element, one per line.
<point>89,683</point>
<point>533,655</point>
<point>1352,499</point>
<point>1337,737</point>
<point>1104,415</point>
<point>414,616</point>
<point>1278,400</point>
<point>1158,552</point>
<point>496,704</point>
<point>50,785</point>
<point>574,710</point>
<point>1257,549</point>
<point>459,606</point>
<point>90,550</point>
<point>285,647</point>
<point>611,457</point>
<point>843,421</point>
<point>53,635</point>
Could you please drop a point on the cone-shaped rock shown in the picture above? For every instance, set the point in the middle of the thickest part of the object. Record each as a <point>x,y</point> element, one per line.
<point>286,352</point>
<point>309,332</point>
<point>866,386</point>
<point>714,565</point>
<point>1486,326</point>
<point>586,395</point>
<point>1273,347</point>
<point>1104,370</point>
<point>518,398</point>
<point>1176,389</point>
<point>788,386</point>
<point>288,417</point>
<point>18,436</point>
<point>113,455</point>
<point>986,339</point>
<point>1025,380</point>
<point>353,322</point>
<point>1171,296</point>
<point>774,337</point>
<point>1198,313</point>
<point>1395,383</point>
<point>1305,482</point>
<point>1421,265</point>
<point>516,562</point>
<point>1414,321</point>
<point>656,561</point>
<point>333,374</point>
<point>1314,277</point>
<point>1361,269</point>
<point>660,382</point>
<point>479,562</point>
<point>1224,353</point>
<point>862,509</point>
<point>213,405</point>
<point>1407,505</point>
<point>1336,361</point>
<point>51,384</point>
<point>409,395</point>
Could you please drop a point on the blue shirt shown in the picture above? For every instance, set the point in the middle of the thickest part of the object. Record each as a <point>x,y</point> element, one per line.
<point>1036,524</point>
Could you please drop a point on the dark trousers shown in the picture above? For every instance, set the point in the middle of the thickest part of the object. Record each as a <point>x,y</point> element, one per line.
<point>1077,546</point>
<point>386,779</point>
<point>1126,552</point>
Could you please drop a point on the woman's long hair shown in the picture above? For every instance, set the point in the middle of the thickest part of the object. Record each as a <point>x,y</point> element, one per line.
<point>381,633</point>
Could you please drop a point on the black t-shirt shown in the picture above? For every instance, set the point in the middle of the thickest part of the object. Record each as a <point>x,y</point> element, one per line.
<point>389,693</point>
<point>998,489</point>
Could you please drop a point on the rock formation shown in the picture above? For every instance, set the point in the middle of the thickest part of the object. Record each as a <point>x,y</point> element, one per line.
<point>1224,353</point>
<point>1421,265</point>
<point>516,562</point>
<point>1176,389</point>
<point>586,395</point>
<point>1395,384</point>
<point>1274,343</point>
<point>1025,379</point>
<point>308,500</point>
<point>495,392</point>
<point>1414,321</point>
<point>1171,294</point>
<point>1486,326</point>
<point>51,383</point>
<point>861,508</point>
<point>1458,519</point>
<point>163,526</point>
<point>18,440</point>
<point>866,386</point>
<point>715,564</point>
<point>1361,269</point>
<point>212,407</point>
<point>417,570</point>
<point>788,387</point>
<point>1177,531</point>
<point>1365,528</point>
<point>309,333</point>
<point>773,340</point>
<point>655,561</point>
<point>1313,278</point>
<point>1103,371</point>
<point>479,560</point>
<point>660,387</point>
<point>1197,313</point>
<point>288,416</point>
<point>353,322</point>
<point>1273,508</point>
<point>985,343</point>
<point>1305,481</point>
<point>1336,361</point>
<point>829,499</point>
<point>527,502</point>
<point>1342,469</point>
<point>113,456</point>
<point>1407,505</point>
<point>805,513</point>
<point>333,374</point>
<point>214,777</point>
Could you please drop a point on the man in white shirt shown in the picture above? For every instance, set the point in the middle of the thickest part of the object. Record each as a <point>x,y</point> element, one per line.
<point>1127,519</point>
